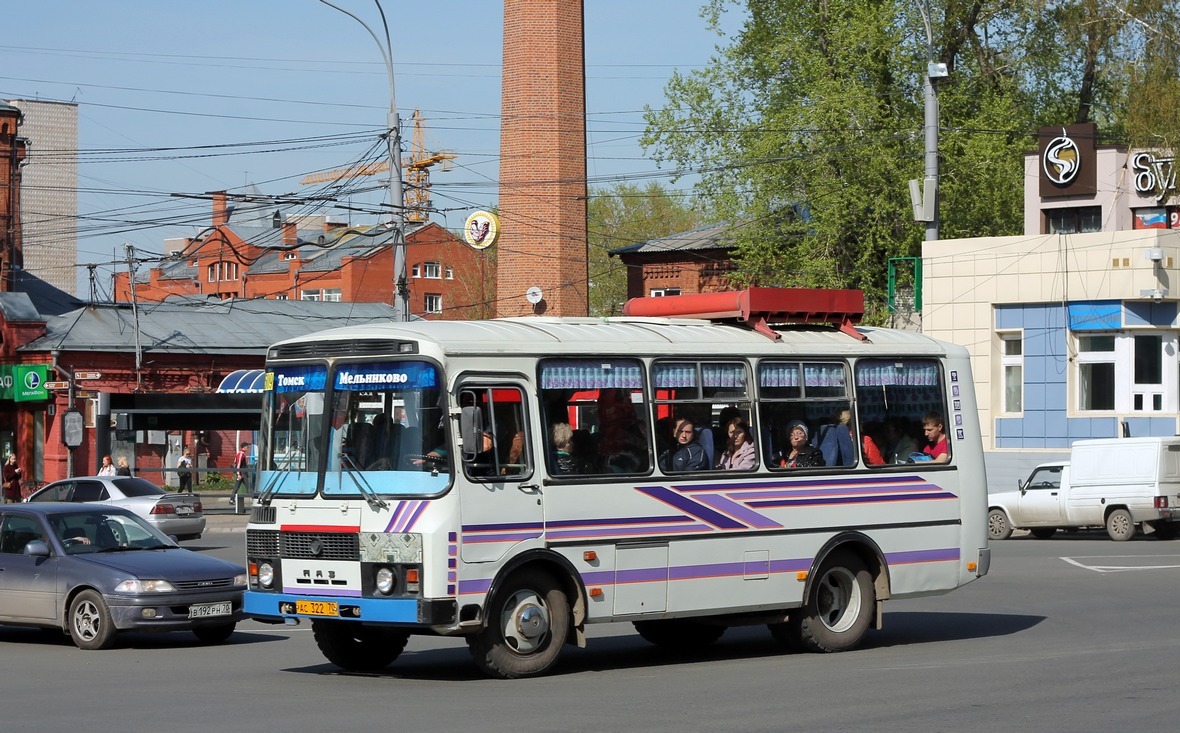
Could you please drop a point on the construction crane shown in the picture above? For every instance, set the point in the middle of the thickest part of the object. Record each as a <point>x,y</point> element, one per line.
<point>417,167</point>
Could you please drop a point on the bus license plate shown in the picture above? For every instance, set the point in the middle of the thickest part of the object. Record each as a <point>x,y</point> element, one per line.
<point>206,610</point>
<point>317,608</point>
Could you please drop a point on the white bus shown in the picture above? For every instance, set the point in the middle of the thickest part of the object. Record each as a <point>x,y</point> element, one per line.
<point>511,481</point>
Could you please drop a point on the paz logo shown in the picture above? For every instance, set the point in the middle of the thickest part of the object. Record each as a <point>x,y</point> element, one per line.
<point>1062,159</point>
<point>32,380</point>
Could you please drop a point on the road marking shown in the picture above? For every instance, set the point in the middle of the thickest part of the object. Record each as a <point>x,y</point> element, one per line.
<point>1119,568</point>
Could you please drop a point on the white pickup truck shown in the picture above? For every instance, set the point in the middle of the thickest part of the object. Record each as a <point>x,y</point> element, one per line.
<point>1115,483</point>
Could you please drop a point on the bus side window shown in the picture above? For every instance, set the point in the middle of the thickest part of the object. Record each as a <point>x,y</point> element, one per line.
<point>503,448</point>
<point>893,397</point>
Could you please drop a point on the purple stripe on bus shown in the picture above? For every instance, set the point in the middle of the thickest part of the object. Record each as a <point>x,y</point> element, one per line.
<point>409,507</point>
<point>401,506</point>
<point>913,556</point>
<point>415,517</point>
<point>640,575</point>
<point>599,577</point>
<point>468,587</point>
<point>850,500</point>
<point>691,507</point>
<point>452,536</point>
<point>494,527</point>
<point>739,512</point>
<point>616,521</point>
<point>316,590</point>
<point>516,537</point>
<point>910,487</point>
<point>783,483</point>
<point>626,531</point>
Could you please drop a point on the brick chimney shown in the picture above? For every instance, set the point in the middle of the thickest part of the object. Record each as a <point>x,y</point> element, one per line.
<point>290,234</point>
<point>543,159</point>
<point>220,214</point>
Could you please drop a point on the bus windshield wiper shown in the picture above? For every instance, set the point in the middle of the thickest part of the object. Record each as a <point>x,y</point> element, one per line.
<point>375,502</point>
<point>272,487</point>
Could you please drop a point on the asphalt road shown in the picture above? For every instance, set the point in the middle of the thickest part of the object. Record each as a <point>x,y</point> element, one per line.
<point>1074,633</point>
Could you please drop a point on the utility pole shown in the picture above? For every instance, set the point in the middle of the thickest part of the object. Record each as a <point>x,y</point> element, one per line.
<point>401,296</point>
<point>925,199</point>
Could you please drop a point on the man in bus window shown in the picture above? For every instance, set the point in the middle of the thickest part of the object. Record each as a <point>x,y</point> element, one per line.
<point>686,453</point>
<point>936,437</point>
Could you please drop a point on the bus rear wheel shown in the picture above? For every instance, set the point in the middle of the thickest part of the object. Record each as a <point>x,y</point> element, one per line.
<point>527,623</point>
<point>358,648</point>
<point>839,608</point>
<point>679,634</point>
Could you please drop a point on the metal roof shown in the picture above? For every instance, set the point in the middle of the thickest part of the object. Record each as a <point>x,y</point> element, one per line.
<point>712,236</point>
<point>188,325</point>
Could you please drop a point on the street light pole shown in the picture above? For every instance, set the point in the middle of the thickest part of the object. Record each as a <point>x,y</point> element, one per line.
<point>401,299</point>
<point>933,71</point>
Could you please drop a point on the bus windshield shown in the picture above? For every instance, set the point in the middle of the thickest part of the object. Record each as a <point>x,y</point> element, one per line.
<point>387,433</point>
<point>293,430</point>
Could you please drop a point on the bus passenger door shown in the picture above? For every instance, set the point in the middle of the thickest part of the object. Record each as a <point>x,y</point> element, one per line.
<point>500,493</point>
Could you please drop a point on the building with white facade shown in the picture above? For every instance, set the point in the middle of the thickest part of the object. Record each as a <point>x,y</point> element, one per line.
<point>1073,326</point>
<point>49,191</point>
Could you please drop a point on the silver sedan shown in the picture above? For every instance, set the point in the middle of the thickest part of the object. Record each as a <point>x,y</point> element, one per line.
<point>93,571</point>
<point>179,515</point>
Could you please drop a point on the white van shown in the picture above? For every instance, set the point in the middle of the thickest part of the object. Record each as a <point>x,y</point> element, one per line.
<point>1116,483</point>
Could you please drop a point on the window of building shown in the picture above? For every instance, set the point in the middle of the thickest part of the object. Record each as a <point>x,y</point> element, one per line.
<point>1096,372</point>
<point>416,270</point>
<point>432,303</point>
<point>332,295</point>
<point>1075,220</point>
<point>450,273</point>
<point>1127,371</point>
<point>211,272</point>
<point>432,270</point>
<point>661,292</point>
<point>1012,367</point>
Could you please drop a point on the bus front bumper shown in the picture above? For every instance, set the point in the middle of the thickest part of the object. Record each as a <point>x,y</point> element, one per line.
<point>413,611</point>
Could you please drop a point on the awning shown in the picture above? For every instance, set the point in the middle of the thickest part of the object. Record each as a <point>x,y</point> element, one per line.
<point>248,381</point>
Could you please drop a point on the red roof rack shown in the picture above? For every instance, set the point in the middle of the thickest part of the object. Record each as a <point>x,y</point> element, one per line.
<point>759,307</point>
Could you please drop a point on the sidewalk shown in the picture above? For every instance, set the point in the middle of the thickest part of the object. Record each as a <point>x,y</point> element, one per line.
<point>219,513</point>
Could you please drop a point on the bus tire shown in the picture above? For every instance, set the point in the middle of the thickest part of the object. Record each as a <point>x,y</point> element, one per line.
<point>527,624</point>
<point>358,648</point>
<point>998,526</point>
<point>839,608</point>
<point>679,634</point>
<point>1043,533</point>
<point>1119,525</point>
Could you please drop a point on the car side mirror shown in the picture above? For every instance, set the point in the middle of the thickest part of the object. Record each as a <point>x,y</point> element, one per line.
<point>37,548</point>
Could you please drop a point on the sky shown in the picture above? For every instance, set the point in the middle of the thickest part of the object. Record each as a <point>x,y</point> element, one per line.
<point>178,99</point>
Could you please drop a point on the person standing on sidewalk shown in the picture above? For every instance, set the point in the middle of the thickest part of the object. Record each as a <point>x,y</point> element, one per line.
<point>241,463</point>
<point>12,480</point>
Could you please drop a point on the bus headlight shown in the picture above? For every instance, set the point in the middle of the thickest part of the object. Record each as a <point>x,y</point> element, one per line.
<point>266,575</point>
<point>386,579</point>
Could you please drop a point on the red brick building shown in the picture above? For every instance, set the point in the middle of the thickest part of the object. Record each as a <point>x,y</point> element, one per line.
<point>696,261</point>
<point>335,262</point>
<point>13,149</point>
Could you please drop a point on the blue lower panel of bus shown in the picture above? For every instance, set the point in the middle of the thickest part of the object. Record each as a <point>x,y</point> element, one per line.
<point>384,610</point>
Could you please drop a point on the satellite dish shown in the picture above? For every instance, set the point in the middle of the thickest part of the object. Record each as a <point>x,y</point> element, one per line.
<point>533,295</point>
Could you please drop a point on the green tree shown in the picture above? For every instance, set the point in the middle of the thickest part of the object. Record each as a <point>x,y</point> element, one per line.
<point>627,214</point>
<point>817,107</point>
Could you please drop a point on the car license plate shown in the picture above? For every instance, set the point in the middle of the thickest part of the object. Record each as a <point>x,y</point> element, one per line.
<point>183,511</point>
<point>317,608</point>
<point>206,610</point>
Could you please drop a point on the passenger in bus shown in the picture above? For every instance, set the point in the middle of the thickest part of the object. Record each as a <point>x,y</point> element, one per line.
<point>584,451</point>
<point>871,442</point>
<point>686,453</point>
<point>484,463</point>
<point>835,440</point>
<point>739,446</point>
<point>514,466</point>
<point>800,454</point>
<point>935,438</point>
<point>901,443</point>
<point>562,437</point>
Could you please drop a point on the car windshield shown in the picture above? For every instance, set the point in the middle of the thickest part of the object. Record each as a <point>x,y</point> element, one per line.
<point>105,531</point>
<point>137,487</point>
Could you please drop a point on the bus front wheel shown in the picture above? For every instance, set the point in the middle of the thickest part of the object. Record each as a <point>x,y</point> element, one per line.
<point>839,608</point>
<point>358,648</point>
<point>528,620</point>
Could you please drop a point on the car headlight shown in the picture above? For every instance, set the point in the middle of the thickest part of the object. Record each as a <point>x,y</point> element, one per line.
<point>266,575</point>
<point>145,586</point>
<point>385,580</point>
<point>240,581</point>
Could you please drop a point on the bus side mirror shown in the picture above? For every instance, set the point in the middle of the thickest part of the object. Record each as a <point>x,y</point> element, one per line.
<point>470,431</point>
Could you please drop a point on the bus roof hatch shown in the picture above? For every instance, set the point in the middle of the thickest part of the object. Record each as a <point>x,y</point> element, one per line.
<point>759,307</point>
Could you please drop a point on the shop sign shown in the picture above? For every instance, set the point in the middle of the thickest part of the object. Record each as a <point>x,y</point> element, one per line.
<point>23,382</point>
<point>1069,160</point>
<point>1155,176</point>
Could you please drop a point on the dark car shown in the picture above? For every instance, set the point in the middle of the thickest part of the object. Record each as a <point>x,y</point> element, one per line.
<point>93,570</point>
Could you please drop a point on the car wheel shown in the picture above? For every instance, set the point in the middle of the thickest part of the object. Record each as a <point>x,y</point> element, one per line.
<point>998,526</point>
<point>214,634</point>
<point>526,627</point>
<point>839,607</point>
<point>1119,525</point>
<point>91,626</point>
<point>679,634</point>
<point>358,648</point>
<point>1043,533</point>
